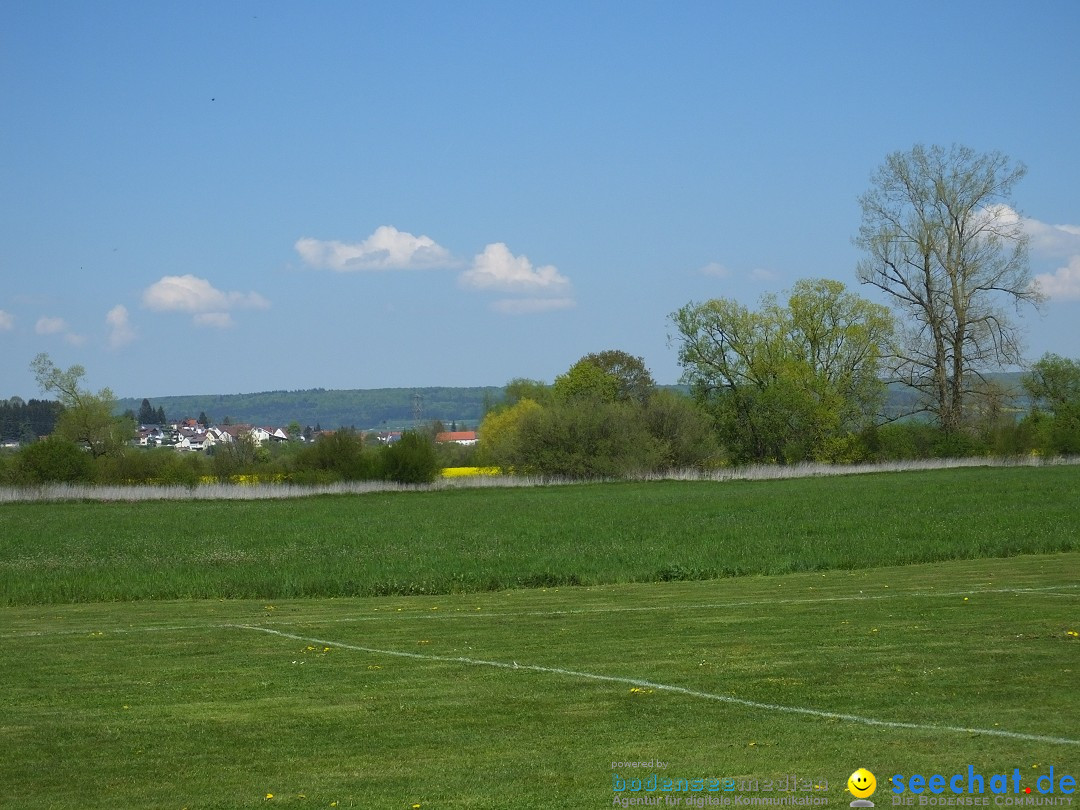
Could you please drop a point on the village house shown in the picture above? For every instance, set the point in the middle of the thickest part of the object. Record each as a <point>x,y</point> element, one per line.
<point>462,437</point>
<point>189,436</point>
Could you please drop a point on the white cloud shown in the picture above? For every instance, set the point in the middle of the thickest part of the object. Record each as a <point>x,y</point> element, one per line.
<point>1051,241</point>
<point>499,270</point>
<point>716,270</point>
<point>200,298</point>
<point>50,326</point>
<point>7,321</point>
<point>536,289</point>
<point>386,249</point>
<point>57,326</point>
<point>519,306</point>
<point>121,332</point>
<point>761,274</point>
<point>1064,283</point>
<point>218,320</point>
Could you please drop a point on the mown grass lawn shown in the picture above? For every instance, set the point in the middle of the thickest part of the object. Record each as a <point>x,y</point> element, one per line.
<point>366,703</point>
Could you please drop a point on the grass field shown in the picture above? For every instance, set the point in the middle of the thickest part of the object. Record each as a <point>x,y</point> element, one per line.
<point>888,628</point>
<point>370,703</point>
<point>492,539</point>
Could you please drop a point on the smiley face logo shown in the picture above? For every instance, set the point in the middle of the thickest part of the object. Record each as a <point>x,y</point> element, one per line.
<point>862,784</point>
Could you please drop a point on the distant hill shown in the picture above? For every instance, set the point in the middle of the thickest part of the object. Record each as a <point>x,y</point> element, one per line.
<point>901,400</point>
<point>379,408</point>
<point>369,409</point>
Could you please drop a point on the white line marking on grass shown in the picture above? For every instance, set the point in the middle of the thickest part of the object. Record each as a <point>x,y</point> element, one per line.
<point>679,690</point>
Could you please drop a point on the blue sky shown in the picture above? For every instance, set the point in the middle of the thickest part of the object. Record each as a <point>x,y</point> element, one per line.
<point>250,196</point>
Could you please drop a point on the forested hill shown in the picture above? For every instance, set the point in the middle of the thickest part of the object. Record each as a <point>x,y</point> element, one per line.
<point>377,408</point>
<point>395,408</point>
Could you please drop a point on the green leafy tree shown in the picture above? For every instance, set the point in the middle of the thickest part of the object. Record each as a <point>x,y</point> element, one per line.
<point>633,379</point>
<point>602,418</point>
<point>411,459</point>
<point>521,388</point>
<point>587,439</point>
<point>337,456</point>
<point>499,435</point>
<point>683,431</point>
<point>241,456</point>
<point>943,240</point>
<point>1054,383</point>
<point>55,459</point>
<point>606,376</point>
<point>787,383</point>
<point>1054,386</point>
<point>88,418</point>
<point>586,381</point>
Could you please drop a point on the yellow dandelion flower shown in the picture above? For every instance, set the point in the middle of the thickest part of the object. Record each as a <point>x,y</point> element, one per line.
<point>1072,633</point>
<point>269,795</point>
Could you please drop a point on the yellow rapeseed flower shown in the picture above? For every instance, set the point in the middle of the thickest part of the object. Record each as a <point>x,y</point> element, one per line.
<point>465,472</point>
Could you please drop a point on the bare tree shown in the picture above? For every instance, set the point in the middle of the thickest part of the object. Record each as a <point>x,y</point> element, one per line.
<point>944,240</point>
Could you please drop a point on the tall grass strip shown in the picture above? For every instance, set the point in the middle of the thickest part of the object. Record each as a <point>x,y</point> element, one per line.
<point>272,491</point>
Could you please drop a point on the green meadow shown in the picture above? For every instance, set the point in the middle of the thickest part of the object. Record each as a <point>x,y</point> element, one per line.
<point>468,540</point>
<point>212,655</point>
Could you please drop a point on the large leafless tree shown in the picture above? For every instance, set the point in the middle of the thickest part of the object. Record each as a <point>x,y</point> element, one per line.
<point>943,238</point>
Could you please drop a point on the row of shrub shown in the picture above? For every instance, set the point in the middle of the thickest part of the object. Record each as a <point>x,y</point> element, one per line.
<point>602,440</point>
<point>340,456</point>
